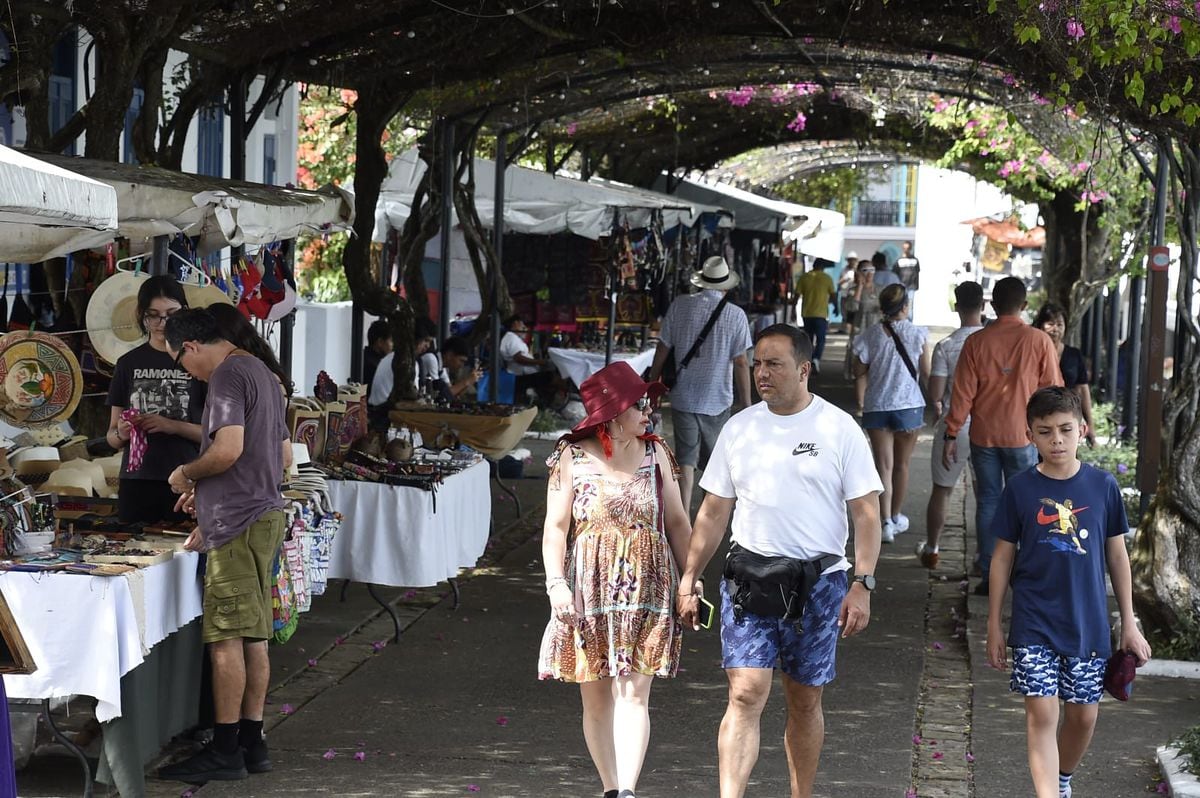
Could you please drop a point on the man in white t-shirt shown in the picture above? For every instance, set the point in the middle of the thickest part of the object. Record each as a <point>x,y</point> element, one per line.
<point>968,302</point>
<point>518,360</point>
<point>786,468</point>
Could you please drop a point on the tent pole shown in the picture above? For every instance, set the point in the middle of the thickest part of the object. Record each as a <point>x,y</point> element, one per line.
<point>614,279</point>
<point>494,274</point>
<point>447,205</point>
<point>287,325</point>
<point>1114,343</point>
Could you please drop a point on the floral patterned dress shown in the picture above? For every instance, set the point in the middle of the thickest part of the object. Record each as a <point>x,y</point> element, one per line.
<point>622,574</point>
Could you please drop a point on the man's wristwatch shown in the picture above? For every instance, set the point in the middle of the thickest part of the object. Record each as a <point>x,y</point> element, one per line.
<point>867,580</point>
<point>950,437</point>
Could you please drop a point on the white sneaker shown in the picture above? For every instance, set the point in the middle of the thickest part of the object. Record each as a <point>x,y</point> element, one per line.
<point>889,531</point>
<point>900,520</point>
<point>1065,793</point>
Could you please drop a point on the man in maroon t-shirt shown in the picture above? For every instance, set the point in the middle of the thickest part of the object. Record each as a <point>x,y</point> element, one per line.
<point>233,489</point>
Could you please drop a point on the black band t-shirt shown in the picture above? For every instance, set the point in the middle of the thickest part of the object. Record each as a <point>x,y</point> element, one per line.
<point>147,380</point>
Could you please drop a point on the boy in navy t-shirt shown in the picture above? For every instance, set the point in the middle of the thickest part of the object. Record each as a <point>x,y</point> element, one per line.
<point>1063,523</point>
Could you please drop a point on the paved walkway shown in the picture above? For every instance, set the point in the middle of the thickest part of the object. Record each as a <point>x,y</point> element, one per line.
<point>455,708</point>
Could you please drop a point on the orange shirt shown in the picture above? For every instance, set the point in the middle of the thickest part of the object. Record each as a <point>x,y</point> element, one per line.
<point>999,369</point>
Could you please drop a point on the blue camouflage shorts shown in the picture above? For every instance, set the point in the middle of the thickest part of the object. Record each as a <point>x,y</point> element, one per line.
<point>1041,672</point>
<point>808,655</point>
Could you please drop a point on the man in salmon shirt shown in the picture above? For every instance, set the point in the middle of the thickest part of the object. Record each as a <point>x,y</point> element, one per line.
<point>999,369</point>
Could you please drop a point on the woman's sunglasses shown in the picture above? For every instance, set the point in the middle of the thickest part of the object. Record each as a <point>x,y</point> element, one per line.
<point>642,404</point>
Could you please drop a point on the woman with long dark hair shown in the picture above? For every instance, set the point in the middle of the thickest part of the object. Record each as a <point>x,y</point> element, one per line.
<point>1052,320</point>
<point>164,432</point>
<point>237,330</point>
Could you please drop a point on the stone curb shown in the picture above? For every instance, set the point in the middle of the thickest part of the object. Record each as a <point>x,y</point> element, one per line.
<point>1182,784</point>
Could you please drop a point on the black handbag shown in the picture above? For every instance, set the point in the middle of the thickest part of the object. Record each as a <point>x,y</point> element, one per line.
<point>773,587</point>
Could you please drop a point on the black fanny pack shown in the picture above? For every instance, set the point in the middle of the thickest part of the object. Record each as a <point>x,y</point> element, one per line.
<point>774,587</point>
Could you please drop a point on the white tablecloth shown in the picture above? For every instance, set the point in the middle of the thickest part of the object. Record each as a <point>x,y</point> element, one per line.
<point>391,535</point>
<point>577,365</point>
<point>86,632</point>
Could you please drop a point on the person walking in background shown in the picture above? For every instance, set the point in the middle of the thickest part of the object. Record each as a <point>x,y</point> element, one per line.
<point>713,336</point>
<point>168,417</point>
<point>968,303</point>
<point>884,276</point>
<point>893,357</point>
<point>615,538</point>
<point>788,469</point>
<point>234,490</point>
<point>379,345</point>
<point>816,292</point>
<point>908,270</point>
<point>998,369</point>
<point>866,297</point>
<point>1052,320</point>
<point>847,288</point>
<point>1060,526</point>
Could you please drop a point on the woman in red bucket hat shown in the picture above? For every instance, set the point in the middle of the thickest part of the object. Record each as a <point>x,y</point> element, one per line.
<point>616,534</point>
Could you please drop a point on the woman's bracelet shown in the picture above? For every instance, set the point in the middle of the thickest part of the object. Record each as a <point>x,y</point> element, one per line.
<point>554,582</point>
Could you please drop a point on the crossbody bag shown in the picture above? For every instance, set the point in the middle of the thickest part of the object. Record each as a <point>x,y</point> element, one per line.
<point>912,369</point>
<point>671,379</point>
<point>773,587</point>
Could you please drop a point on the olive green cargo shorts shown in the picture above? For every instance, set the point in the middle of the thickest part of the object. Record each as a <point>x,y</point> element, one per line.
<point>237,586</point>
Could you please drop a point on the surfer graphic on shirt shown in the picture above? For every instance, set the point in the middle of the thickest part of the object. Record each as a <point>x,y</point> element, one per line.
<point>1064,523</point>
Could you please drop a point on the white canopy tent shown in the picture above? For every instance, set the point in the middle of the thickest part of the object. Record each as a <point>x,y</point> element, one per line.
<point>39,200</point>
<point>537,202</point>
<point>819,232</point>
<point>151,202</point>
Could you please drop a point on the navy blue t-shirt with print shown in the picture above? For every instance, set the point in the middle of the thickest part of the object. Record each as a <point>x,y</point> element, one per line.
<point>1061,527</point>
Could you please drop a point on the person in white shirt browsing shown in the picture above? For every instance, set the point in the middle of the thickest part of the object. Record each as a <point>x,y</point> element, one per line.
<point>518,360</point>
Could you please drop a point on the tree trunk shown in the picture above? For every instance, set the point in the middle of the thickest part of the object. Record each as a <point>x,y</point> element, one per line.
<point>1075,263</point>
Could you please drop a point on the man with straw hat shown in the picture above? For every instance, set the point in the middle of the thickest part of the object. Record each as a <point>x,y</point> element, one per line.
<point>708,338</point>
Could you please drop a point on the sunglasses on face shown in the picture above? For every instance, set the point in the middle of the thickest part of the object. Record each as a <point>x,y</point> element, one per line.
<point>642,404</point>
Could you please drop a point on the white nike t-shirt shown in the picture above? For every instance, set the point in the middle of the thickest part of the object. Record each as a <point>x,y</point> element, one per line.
<point>792,476</point>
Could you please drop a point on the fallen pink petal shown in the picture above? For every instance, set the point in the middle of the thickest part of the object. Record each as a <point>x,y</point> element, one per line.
<point>286,709</point>
<point>378,645</point>
<point>189,792</point>
<point>938,755</point>
<point>910,793</point>
<point>330,754</point>
<point>359,756</point>
<point>502,720</point>
<point>337,641</point>
<point>410,594</point>
<point>916,739</point>
<point>472,788</point>
<point>312,662</point>
<point>938,646</point>
<point>969,757</point>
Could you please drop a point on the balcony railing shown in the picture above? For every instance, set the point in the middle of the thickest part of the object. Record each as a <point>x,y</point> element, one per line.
<point>885,213</point>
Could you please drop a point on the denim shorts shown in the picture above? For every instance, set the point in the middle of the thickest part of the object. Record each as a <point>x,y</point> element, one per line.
<point>807,656</point>
<point>1041,672</point>
<point>906,420</point>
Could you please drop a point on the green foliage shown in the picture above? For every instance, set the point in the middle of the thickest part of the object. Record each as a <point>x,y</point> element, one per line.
<point>833,188</point>
<point>1115,456</point>
<point>325,154</point>
<point>1188,744</point>
<point>1132,43</point>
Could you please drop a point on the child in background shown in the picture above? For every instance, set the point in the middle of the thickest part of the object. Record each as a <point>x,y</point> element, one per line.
<point>1069,522</point>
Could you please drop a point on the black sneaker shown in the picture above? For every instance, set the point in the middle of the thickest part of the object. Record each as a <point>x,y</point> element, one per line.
<point>207,765</point>
<point>258,758</point>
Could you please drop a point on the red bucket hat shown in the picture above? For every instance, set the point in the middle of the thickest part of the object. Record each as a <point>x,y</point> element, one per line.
<point>611,391</point>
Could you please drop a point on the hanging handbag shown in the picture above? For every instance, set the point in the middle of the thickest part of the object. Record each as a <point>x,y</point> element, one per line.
<point>672,369</point>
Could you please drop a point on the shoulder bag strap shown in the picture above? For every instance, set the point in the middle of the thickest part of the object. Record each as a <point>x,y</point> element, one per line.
<point>887,325</point>
<point>708,325</point>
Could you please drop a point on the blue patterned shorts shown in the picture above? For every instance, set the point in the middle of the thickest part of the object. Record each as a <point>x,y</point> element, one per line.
<point>808,656</point>
<point>1041,672</point>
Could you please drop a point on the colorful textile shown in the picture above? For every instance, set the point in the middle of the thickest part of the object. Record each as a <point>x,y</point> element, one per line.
<point>622,575</point>
<point>137,440</point>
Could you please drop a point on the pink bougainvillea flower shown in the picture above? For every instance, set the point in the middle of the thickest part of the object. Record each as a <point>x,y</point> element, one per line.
<point>359,756</point>
<point>286,709</point>
<point>1075,29</point>
<point>937,646</point>
<point>1161,788</point>
<point>969,756</point>
<point>799,123</point>
<point>572,127</point>
<point>916,739</point>
<point>378,646</point>
<point>1173,25</point>
<point>502,720</point>
<point>910,793</point>
<point>410,594</point>
<point>312,662</point>
<point>938,755</point>
<point>330,754</point>
<point>472,788</point>
<point>1010,80</point>
<point>337,641</point>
